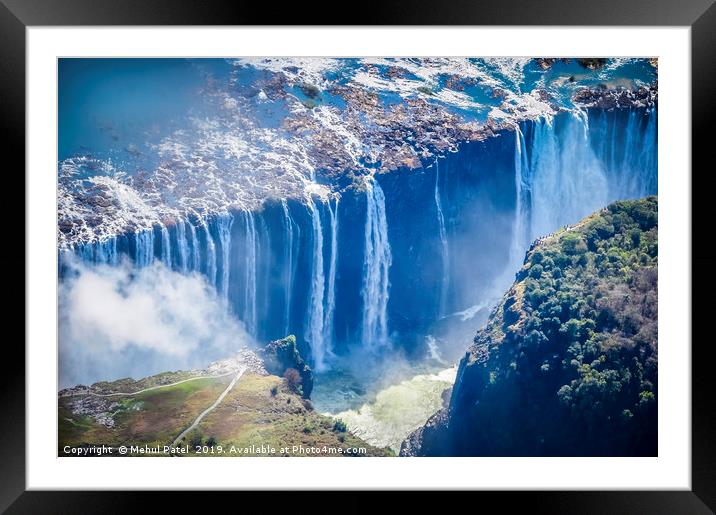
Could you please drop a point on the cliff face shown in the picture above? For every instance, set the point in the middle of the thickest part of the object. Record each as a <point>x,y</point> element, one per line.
<point>567,363</point>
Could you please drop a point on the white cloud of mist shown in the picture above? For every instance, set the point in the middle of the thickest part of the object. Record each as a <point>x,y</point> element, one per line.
<point>118,322</point>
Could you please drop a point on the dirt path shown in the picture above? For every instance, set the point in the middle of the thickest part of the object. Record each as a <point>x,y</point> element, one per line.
<point>210,408</point>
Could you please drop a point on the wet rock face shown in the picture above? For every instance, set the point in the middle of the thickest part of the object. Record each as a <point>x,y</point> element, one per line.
<point>280,355</point>
<point>428,440</point>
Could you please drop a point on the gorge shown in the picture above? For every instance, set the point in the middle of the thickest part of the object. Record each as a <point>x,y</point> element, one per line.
<point>374,259</point>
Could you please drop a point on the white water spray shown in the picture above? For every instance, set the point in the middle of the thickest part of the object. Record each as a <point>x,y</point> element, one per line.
<point>568,181</point>
<point>520,230</point>
<point>249,317</point>
<point>376,265</point>
<point>224,223</point>
<point>144,248</point>
<point>210,254</point>
<point>182,246</point>
<point>166,247</point>
<point>288,265</point>
<point>331,288</point>
<point>315,330</point>
<point>445,282</point>
<point>195,248</point>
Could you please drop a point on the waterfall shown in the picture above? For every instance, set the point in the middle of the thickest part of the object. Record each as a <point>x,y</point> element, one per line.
<point>100,252</point>
<point>166,247</point>
<point>288,265</point>
<point>195,248</point>
<point>263,274</point>
<point>648,157</point>
<point>635,167</point>
<point>210,253</point>
<point>520,229</point>
<point>144,248</point>
<point>445,282</point>
<point>568,181</point>
<point>331,288</point>
<point>376,265</point>
<point>249,317</point>
<point>182,246</point>
<point>315,329</point>
<point>223,225</point>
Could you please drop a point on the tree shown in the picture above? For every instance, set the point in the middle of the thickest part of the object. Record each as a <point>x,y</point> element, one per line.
<point>292,379</point>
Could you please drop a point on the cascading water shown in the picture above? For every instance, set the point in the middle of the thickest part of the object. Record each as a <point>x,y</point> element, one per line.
<point>568,180</point>
<point>102,252</point>
<point>182,246</point>
<point>445,282</point>
<point>331,287</point>
<point>195,247</point>
<point>315,334</point>
<point>557,170</point>
<point>144,248</point>
<point>166,254</point>
<point>629,154</point>
<point>289,264</point>
<point>520,230</point>
<point>210,253</point>
<point>223,225</point>
<point>376,266</point>
<point>249,315</point>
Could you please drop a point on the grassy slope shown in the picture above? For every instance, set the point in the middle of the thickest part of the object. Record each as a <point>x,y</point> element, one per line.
<point>261,410</point>
<point>249,415</point>
<point>154,418</point>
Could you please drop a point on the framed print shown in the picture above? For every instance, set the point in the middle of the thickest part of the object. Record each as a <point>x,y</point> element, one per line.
<point>451,251</point>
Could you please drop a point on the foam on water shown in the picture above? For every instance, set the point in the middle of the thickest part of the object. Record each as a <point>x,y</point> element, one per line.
<point>396,411</point>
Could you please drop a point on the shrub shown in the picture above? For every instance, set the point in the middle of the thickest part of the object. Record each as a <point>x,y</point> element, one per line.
<point>339,426</point>
<point>274,391</point>
<point>195,441</point>
<point>310,90</point>
<point>292,379</point>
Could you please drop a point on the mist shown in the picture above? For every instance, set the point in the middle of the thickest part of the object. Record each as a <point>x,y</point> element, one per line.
<point>119,321</point>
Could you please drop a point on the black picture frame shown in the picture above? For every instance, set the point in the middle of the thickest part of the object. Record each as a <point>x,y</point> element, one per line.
<point>700,15</point>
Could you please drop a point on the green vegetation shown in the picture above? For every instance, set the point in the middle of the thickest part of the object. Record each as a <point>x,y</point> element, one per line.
<point>310,90</point>
<point>259,410</point>
<point>425,90</point>
<point>155,417</point>
<point>281,358</point>
<point>569,358</point>
<point>250,415</point>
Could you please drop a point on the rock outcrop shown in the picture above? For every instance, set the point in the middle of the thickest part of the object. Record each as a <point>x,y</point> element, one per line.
<point>567,363</point>
<point>281,355</point>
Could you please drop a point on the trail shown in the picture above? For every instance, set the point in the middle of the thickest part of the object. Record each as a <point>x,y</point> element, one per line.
<point>116,394</point>
<point>210,408</point>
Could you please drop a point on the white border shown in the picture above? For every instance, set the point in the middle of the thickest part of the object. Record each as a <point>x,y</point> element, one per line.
<point>670,470</point>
